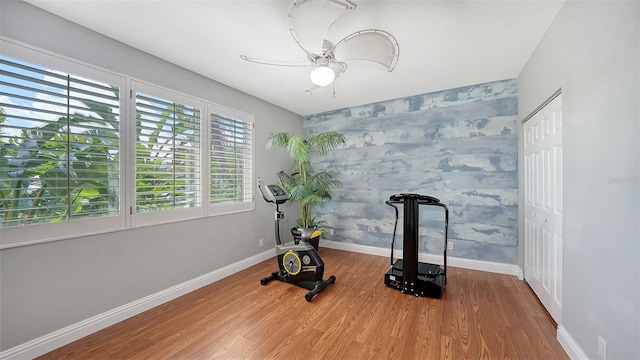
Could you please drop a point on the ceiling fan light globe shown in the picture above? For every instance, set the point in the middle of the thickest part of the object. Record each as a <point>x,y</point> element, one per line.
<point>322,75</point>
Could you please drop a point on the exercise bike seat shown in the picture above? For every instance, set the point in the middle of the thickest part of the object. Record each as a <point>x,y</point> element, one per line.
<point>306,235</point>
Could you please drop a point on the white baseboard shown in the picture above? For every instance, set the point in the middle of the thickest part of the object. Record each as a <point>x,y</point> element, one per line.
<point>480,265</point>
<point>56,339</point>
<point>573,350</point>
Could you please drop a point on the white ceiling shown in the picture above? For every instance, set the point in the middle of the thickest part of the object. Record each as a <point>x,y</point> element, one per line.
<point>443,44</point>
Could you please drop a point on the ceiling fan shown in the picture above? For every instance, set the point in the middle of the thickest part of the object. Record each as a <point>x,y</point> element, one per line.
<point>309,22</point>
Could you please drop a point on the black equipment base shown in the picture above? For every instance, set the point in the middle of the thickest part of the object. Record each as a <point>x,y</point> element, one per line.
<point>431,280</point>
<point>314,286</point>
<point>302,266</point>
<point>408,274</point>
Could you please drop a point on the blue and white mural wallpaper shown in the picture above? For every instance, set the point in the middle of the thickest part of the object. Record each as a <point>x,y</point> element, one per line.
<point>458,145</point>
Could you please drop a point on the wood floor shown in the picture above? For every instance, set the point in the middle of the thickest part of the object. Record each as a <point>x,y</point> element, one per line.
<point>481,316</point>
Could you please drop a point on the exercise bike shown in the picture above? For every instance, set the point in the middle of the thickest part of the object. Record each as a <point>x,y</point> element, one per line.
<point>299,263</point>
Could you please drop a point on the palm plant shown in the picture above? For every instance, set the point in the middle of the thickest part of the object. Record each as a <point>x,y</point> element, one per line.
<point>306,186</point>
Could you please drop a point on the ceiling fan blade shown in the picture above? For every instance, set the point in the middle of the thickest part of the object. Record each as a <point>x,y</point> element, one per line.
<point>276,62</point>
<point>310,19</point>
<point>373,45</point>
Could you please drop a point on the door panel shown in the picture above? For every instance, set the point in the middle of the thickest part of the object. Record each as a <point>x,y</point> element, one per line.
<point>543,205</point>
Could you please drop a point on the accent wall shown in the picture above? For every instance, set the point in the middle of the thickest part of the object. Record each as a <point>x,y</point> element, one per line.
<point>459,145</point>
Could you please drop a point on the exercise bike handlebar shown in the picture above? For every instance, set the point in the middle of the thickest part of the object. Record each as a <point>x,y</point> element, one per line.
<point>275,195</point>
<point>261,192</point>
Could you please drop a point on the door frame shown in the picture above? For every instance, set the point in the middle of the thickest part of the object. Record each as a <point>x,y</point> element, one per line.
<point>521,188</point>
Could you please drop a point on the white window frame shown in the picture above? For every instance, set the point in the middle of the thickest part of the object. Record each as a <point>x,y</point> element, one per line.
<point>229,207</point>
<point>156,217</point>
<point>127,217</point>
<point>29,234</point>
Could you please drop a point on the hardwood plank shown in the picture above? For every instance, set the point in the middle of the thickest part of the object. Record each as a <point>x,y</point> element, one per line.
<point>481,315</point>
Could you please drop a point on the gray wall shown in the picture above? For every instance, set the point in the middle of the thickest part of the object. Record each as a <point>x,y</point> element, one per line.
<point>49,286</point>
<point>459,145</point>
<point>592,52</point>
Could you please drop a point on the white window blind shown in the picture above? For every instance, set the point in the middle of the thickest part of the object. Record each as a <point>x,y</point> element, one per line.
<point>69,152</point>
<point>168,160</point>
<point>231,159</point>
<point>59,145</point>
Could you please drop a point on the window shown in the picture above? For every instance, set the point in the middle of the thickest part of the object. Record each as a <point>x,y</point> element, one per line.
<point>71,159</point>
<point>167,152</point>
<point>59,144</point>
<point>231,157</point>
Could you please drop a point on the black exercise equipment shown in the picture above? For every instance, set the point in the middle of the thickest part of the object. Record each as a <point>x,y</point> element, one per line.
<point>408,274</point>
<point>299,263</point>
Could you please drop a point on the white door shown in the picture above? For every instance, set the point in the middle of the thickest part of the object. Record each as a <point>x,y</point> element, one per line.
<point>543,205</point>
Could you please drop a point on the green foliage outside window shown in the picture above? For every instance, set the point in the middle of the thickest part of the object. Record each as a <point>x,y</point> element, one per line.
<point>60,149</point>
<point>50,174</point>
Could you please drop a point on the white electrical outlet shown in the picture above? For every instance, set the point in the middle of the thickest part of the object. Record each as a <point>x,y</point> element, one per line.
<point>261,242</point>
<point>602,348</point>
<point>450,245</point>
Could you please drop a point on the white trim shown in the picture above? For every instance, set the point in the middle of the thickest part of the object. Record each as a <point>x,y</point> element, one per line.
<point>56,339</point>
<point>570,346</point>
<point>18,236</point>
<point>22,235</point>
<point>480,265</point>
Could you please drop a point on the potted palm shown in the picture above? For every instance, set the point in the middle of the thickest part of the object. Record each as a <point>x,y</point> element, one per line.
<point>307,186</point>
